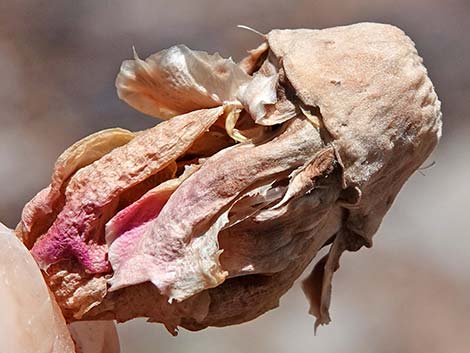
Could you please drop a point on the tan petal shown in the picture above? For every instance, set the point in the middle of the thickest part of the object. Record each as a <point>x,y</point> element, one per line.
<point>254,59</point>
<point>265,97</point>
<point>37,213</point>
<point>92,195</point>
<point>178,252</point>
<point>178,80</point>
<point>244,298</point>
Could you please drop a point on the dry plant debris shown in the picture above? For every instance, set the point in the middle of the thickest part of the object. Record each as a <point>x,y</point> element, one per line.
<point>209,217</point>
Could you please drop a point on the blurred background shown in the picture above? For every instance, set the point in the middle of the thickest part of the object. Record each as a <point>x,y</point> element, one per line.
<point>409,293</point>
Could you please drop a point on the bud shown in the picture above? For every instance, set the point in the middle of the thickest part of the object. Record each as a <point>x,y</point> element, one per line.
<point>209,217</point>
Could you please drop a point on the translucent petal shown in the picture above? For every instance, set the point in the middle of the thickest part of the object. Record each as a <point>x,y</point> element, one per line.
<point>178,80</point>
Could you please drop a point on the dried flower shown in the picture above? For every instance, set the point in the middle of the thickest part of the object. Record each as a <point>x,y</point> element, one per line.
<point>208,218</point>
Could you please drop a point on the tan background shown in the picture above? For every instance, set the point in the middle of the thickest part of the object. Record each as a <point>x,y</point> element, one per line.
<point>409,293</point>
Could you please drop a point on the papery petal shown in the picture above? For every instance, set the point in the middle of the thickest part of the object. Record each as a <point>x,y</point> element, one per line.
<point>303,180</point>
<point>92,194</point>
<point>178,80</point>
<point>253,61</point>
<point>266,96</point>
<point>257,93</point>
<point>36,214</point>
<point>123,231</point>
<point>253,201</point>
<point>171,247</point>
<point>268,247</point>
<point>244,298</point>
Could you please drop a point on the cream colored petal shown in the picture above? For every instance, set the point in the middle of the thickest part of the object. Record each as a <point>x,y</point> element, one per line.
<point>265,97</point>
<point>256,94</point>
<point>178,80</point>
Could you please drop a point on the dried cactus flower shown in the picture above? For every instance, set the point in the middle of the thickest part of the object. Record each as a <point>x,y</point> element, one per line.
<point>208,218</point>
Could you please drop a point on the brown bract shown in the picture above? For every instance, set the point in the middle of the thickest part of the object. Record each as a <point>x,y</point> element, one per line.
<point>207,219</point>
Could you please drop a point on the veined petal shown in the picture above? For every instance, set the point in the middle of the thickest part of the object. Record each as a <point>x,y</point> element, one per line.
<point>140,212</point>
<point>37,212</point>
<point>178,80</point>
<point>170,249</point>
<point>93,194</point>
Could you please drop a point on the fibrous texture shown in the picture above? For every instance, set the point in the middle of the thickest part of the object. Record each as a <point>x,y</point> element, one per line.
<point>31,320</point>
<point>208,218</point>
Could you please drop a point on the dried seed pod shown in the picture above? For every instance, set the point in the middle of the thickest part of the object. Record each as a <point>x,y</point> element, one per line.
<point>185,226</point>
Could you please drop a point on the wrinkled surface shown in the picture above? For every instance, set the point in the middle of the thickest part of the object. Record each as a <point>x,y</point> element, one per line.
<point>37,213</point>
<point>372,90</point>
<point>92,194</point>
<point>208,218</point>
<point>178,80</point>
<point>179,251</point>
